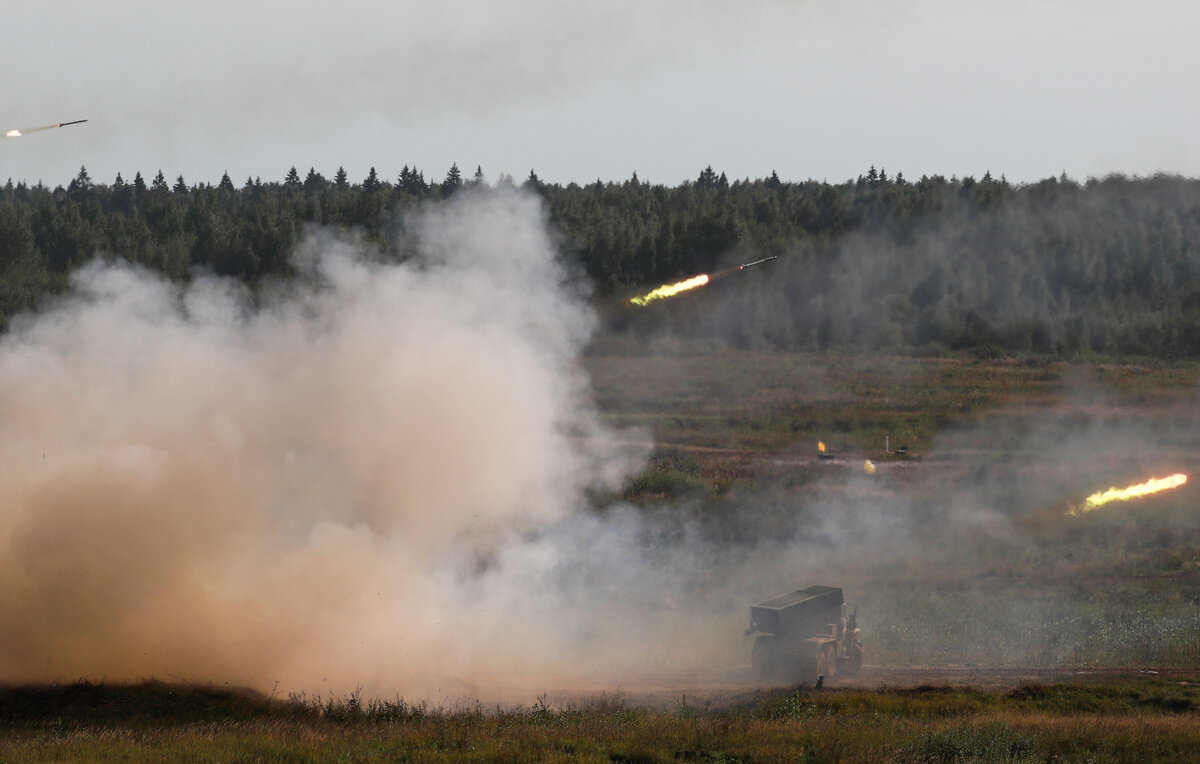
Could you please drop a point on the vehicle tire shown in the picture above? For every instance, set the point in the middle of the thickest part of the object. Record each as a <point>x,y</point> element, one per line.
<point>830,662</point>
<point>764,658</point>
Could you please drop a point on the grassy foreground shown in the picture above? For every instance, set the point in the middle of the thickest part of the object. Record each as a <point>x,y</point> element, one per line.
<point>1132,719</point>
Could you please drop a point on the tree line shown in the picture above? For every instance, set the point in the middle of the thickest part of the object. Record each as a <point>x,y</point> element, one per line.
<point>1108,266</point>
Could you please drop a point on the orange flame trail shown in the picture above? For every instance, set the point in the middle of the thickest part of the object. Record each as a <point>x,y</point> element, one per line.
<point>670,290</point>
<point>1154,485</point>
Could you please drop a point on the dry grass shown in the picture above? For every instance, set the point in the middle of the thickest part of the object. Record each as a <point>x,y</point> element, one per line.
<point>1130,720</point>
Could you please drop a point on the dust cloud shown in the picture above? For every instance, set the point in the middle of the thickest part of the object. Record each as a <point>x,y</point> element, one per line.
<point>342,482</point>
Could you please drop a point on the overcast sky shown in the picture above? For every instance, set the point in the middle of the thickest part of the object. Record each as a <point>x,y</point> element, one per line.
<point>585,90</point>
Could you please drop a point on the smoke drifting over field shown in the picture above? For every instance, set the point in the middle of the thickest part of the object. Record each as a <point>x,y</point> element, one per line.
<point>326,489</point>
<point>375,476</point>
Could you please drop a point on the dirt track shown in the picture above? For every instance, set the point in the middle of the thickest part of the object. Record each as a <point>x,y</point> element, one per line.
<point>992,677</point>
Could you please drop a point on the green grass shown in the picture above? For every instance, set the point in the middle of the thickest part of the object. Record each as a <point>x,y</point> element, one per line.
<point>772,403</point>
<point>736,435</point>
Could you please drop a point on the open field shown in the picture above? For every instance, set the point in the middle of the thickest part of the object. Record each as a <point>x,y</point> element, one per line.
<point>1129,718</point>
<point>725,417</point>
<point>997,627</point>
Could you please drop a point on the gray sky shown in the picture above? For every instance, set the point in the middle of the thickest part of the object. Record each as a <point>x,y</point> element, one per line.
<point>585,90</point>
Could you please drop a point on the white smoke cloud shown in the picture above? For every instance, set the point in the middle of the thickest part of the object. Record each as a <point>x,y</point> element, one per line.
<point>202,487</point>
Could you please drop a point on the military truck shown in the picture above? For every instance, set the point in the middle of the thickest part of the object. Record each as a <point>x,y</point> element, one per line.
<point>806,637</point>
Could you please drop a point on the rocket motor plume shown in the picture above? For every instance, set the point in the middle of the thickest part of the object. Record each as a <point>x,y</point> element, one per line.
<point>670,290</point>
<point>26,130</point>
<point>1154,485</point>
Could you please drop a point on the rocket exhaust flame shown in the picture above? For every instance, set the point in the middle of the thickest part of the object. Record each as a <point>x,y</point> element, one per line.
<point>26,130</point>
<point>670,290</point>
<point>1154,485</point>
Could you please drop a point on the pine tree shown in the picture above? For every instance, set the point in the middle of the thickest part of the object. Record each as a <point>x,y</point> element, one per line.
<point>314,181</point>
<point>81,184</point>
<point>371,183</point>
<point>121,197</point>
<point>411,182</point>
<point>453,180</point>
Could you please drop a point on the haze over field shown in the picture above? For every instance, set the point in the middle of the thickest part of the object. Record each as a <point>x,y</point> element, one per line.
<point>378,476</point>
<point>578,91</point>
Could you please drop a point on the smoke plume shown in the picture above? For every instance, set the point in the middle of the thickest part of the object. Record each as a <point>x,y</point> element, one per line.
<point>310,489</point>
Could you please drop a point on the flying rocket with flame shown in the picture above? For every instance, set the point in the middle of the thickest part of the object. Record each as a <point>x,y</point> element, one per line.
<point>670,290</point>
<point>27,130</point>
<point>1154,485</point>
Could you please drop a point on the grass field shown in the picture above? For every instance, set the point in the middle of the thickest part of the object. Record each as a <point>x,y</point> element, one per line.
<point>1122,720</point>
<point>960,549</point>
<point>709,414</point>
<point>959,552</point>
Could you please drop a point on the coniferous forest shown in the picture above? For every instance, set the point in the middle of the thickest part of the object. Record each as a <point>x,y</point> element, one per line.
<point>1109,267</point>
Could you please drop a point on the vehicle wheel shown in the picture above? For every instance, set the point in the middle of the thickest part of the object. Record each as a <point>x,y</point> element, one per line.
<point>764,659</point>
<point>830,661</point>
